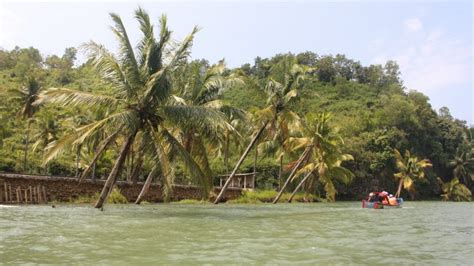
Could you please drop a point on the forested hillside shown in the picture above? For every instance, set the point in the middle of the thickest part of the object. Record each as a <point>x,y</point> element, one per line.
<point>367,107</point>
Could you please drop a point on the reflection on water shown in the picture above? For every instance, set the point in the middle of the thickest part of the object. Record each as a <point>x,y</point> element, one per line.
<point>422,232</point>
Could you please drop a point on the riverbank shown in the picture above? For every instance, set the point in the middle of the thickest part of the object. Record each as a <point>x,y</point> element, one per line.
<point>69,189</point>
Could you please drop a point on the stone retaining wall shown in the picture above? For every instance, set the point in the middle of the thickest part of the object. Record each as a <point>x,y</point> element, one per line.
<point>65,189</point>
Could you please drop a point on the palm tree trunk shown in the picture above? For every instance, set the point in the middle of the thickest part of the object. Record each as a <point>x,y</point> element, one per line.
<point>146,186</point>
<point>298,163</point>
<point>94,166</point>
<point>97,154</point>
<point>78,157</point>
<point>299,185</point>
<point>115,172</point>
<point>280,172</point>
<point>241,160</point>
<point>137,168</point>
<point>27,140</point>
<point>226,153</point>
<point>255,162</point>
<point>399,190</point>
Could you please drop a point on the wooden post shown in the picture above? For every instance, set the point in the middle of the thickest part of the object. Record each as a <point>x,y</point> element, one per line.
<point>40,198</point>
<point>45,198</point>
<point>6,191</point>
<point>21,194</point>
<point>1,191</point>
<point>31,194</point>
<point>36,194</point>
<point>26,196</point>
<point>35,200</point>
<point>10,196</point>
<point>245,181</point>
<point>17,195</point>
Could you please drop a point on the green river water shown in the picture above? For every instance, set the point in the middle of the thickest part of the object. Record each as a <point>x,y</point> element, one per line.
<point>435,233</point>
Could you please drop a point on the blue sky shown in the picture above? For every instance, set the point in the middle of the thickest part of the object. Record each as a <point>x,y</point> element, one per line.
<point>431,40</point>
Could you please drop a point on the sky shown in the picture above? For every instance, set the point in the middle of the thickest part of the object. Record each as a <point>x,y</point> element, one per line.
<point>432,41</point>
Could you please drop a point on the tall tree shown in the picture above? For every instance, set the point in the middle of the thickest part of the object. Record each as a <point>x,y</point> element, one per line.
<point>141,102</point>
<point>27,95</point>
<point>278,113</point>
<point>455,190</point>
<point>324,160</point>
<point>410,169</point>
<point>203,87</point>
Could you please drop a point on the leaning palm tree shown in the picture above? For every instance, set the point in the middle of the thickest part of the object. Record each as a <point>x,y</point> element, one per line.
<point>277,114</point>
<point>410,169</point>
<point>27,95</point>
<point>140,102</point>
<point>324,158</point>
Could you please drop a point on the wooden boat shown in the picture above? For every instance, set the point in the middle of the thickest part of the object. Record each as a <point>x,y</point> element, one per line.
<point>395,203</point>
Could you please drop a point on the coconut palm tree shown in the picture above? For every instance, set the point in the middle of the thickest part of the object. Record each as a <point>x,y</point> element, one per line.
<point>201,87</point>
<point>27,95</point>
<point>141,101</point>
<point>455,190</point>
<point>47,130</point>
<point>324,159</point>
<point>277,114</point>
<point>410,169</point>
<point>463,166</point>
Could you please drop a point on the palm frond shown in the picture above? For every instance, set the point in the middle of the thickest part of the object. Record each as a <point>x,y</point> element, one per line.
<point>69,97</point>
<point>127,55</point>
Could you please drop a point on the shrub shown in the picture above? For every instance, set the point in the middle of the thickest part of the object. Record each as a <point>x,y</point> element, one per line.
<point>259,196</point>
<point>117,197</point>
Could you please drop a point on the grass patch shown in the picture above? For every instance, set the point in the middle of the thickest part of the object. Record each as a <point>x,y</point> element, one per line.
<point>85,199</point>
<point>260,196</point>
<point>115,197</point>
<point>192,201</point>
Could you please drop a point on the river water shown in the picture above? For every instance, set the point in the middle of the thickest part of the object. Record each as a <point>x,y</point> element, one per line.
<point>435,233</point>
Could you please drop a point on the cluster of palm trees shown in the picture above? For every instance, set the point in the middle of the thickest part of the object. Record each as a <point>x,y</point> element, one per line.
<point>164,111</point>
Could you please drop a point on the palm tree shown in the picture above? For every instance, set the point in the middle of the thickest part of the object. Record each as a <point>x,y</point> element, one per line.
<point>463,166</point>
<point>455,190</point>
<point>324,159</point>
<point>202,87</point>
<point>27,95</point>
<point>46,132</point>
<point>277,114</point>
<point>410,169</point>
<point>141,101</point>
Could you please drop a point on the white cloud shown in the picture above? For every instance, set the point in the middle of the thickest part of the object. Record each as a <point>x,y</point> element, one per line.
<point>431,61</point>
<point>413,24</point>
<point>435,63</point>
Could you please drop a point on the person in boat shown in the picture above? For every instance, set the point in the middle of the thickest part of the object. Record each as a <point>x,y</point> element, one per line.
<point>384,197</point>
<point>374,197</point>
<point>371,197</point>
<point>381,197</point>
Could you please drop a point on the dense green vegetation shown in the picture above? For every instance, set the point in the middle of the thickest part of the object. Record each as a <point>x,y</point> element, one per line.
<point>148,113</point>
